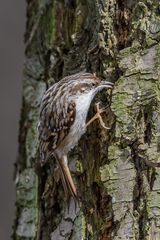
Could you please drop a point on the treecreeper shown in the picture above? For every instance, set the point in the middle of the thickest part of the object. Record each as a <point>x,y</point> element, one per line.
<point>62,120</point>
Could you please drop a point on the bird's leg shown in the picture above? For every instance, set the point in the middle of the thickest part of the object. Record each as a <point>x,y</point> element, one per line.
<point>98,116</point>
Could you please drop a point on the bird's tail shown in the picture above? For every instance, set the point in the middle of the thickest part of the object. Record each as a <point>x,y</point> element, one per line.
<point>66,178</point>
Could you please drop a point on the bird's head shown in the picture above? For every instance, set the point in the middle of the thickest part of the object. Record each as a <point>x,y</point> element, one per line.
<point>87,83</point>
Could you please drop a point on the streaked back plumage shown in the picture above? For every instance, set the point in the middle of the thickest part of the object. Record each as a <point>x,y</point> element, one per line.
<point>58,110</point>
<point>62,120</point>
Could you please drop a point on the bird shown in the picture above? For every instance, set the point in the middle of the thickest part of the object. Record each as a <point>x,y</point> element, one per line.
<point>62,120</point>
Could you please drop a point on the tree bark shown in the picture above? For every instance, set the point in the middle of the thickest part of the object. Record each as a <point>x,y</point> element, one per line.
<point>116,171</point>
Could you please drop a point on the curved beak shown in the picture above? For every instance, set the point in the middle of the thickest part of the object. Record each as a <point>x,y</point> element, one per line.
<point>106,84</point>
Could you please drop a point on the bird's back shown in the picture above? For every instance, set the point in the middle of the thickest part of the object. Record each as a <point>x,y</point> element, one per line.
<point>63,112</point>
<point>57,114</point>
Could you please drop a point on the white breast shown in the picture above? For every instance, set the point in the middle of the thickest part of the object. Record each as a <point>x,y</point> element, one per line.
<point>82,107</point>
<point>79,126</point>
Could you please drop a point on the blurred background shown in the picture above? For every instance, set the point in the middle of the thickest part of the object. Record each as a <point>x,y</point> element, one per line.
<point>12,27</point>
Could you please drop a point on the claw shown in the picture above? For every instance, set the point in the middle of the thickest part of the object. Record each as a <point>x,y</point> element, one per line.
<point>98,115</point>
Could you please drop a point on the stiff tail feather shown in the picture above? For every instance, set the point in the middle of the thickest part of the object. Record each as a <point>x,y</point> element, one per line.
<point>66,178</point>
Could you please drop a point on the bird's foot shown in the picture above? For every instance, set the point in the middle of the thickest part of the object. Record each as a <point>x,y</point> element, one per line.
<point>98,116</point>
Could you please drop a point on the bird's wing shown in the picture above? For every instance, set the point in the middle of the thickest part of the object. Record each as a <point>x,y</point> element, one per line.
<point>57,114</point>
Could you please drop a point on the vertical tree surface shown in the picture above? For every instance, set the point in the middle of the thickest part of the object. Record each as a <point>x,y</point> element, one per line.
<point>116,170</point>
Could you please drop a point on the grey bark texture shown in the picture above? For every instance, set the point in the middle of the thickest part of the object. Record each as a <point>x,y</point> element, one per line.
<point>116,171</point>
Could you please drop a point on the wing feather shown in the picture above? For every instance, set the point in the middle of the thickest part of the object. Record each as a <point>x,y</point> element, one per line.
<point>57,114</point>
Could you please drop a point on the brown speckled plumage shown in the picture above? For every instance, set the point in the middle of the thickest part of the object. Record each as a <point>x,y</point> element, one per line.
<point>62,120</point>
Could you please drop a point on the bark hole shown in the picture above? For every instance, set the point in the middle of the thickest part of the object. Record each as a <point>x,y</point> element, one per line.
<point>123,19</point>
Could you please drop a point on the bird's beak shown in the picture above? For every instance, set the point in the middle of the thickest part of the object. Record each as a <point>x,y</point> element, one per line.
<point>105,84</point>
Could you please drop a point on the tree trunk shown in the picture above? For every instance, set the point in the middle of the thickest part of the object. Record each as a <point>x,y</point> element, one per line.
<point>116,170</point>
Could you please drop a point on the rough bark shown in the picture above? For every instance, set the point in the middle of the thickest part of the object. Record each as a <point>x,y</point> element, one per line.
<point>115,170</point>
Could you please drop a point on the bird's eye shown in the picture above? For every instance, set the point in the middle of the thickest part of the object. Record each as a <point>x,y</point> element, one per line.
<point>93,84</point>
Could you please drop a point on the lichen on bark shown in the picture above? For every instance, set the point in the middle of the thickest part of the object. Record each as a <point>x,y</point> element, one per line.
<point>115,170</point>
